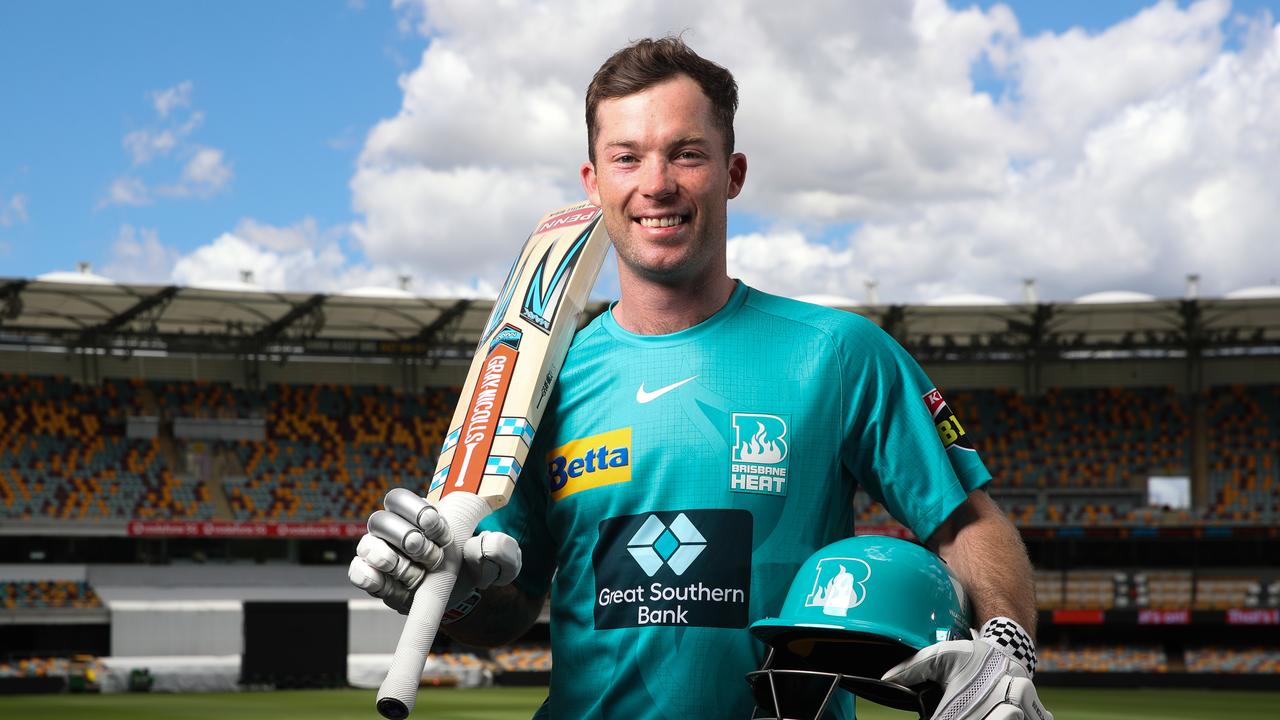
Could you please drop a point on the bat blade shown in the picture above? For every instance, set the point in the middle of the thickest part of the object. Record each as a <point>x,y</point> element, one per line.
<point>517,361</point>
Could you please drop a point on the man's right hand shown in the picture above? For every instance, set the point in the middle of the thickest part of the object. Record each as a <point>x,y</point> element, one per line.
<point>406,542</point>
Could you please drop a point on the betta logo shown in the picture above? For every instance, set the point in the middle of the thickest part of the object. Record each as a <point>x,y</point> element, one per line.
<point>588,463</point>
<point>760,450</point>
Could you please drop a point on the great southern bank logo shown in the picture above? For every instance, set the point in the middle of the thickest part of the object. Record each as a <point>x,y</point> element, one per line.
<point>760,455</point>
<point>677,545</point>
<point>689,567</point>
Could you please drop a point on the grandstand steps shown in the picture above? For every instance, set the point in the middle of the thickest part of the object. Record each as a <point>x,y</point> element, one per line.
<point>150,406</point>
<point>223,463</point>
<point>169,453</point>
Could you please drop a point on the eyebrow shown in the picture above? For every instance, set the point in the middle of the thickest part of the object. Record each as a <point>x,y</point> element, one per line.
<point>700,140</point>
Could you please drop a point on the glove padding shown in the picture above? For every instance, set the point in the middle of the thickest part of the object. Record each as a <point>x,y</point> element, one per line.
<point>981,680</point>
<point>406,543</point>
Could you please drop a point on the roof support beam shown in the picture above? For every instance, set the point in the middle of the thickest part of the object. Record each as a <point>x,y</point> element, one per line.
<point>144,305</point>
<point>310,309</point>
<point>432,331</point>
<point>11,300</point>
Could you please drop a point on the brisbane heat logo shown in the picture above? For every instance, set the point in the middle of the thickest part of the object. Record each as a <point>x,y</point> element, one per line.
<point>760,453</point>
<point>838,585</point>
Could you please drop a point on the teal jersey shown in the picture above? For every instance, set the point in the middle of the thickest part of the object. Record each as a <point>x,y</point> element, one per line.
<point>679,481</point>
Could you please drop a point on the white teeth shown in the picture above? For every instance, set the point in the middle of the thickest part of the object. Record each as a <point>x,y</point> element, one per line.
<point>662,222</point>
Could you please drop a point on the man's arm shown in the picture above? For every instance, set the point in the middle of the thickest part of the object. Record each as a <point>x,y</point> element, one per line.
<point>989,676</point>
<point>503,614</point>
<point>986,552</point>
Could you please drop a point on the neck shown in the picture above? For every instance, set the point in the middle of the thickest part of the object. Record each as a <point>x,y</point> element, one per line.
<point>650,308</point>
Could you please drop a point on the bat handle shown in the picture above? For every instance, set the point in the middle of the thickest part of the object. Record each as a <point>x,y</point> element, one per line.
<point>396,697</point>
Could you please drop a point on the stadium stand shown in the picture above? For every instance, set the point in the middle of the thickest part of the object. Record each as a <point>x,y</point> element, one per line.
<point>1113,658</point>
<point>331,453</point>
<point>1071,429</point>
<point>1068,457</point>
<point>1078,438</point>
<point>1255,660</point>
<point>44,666</point>
<point>33,594</point>
<point>1170,589</point>
<point>523,659</point>
<point>63,456</point>
<point>1244,452</point>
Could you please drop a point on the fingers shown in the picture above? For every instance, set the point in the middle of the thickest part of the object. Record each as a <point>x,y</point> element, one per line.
<point>408,505</point>
<point>1004,712</point>
<point>1023,694</point>
<point>380,585</point>
<point>493,558</point>
<point>923,666</point>
<point>381,556</point>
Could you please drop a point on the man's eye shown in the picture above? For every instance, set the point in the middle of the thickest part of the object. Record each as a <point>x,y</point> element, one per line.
<point>625,159</point>
<point>689,155</point>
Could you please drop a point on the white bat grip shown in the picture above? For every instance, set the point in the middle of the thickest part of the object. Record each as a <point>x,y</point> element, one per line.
<point>396,697</point>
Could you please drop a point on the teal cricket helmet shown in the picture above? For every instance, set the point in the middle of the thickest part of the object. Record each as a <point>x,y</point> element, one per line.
<point>855,609</point>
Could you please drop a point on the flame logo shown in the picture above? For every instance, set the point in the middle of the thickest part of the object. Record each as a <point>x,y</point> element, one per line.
<point>759,448</point>
<point>760,439</point>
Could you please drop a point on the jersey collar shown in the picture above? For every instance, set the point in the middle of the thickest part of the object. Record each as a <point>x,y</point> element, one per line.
<point>736,300</point>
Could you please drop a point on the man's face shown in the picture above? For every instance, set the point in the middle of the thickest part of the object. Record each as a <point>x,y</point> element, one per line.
<point>663,180</point>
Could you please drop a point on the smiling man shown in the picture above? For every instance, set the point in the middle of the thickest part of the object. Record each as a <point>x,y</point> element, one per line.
<point>704,439</point>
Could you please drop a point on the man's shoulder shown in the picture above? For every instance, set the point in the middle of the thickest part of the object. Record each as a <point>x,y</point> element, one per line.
<point>840,325</point>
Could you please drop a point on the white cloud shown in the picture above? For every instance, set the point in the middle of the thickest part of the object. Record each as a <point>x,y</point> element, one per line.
<point>126,190</point>
<point>14,210</point>
<point>203,172</point>
<point>138,256</point>
<point>144,145</point>
<point>1124,157</point>
<point>169,99</point>
<point>786,263</point>
<point>302,234</point>
<point>222,261</point>
<point>298,257</point>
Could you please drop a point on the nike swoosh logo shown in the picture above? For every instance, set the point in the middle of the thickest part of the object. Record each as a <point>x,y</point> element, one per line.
<point>643,397</point>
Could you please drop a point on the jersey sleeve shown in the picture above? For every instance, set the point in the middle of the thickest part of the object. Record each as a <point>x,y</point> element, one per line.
<point>902,443</point>
<point>524,518</point>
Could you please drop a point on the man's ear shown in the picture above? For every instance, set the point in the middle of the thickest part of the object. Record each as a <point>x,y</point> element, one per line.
<point>737,173</point>
<point>589,184</point>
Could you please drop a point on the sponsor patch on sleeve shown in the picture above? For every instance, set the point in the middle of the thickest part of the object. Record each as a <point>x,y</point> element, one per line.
<point>950,431</point>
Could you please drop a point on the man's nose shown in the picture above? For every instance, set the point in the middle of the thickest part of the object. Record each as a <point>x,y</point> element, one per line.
<point>657,180</point>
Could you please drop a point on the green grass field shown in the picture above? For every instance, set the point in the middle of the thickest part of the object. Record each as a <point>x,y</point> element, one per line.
<point>519,703</point>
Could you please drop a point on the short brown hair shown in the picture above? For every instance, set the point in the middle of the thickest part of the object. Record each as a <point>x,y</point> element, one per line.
<point>649,62</point>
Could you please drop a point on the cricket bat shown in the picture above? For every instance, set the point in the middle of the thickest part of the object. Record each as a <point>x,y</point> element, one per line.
<point>517,361</point>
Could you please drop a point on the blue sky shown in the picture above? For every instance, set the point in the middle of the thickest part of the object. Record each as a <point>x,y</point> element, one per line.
<point>279,98</point>
<point>287,89</point>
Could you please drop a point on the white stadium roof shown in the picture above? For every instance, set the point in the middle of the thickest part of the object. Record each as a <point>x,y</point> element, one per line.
<point>964,299</point>
<point>1111,297</point>
<point>835,301</point>
<point>384,322</point>
<point>1255,293</point>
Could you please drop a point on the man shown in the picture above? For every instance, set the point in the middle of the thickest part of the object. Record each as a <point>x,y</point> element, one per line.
<point>703,440</point>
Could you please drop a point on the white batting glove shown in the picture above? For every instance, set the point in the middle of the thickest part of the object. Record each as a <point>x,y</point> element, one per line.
<point>405,543</point>
<point>988,678</point>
